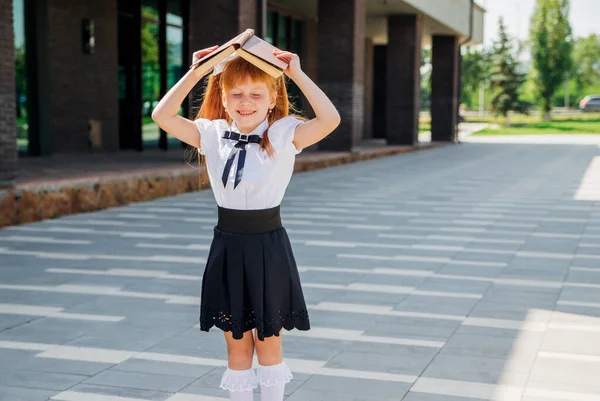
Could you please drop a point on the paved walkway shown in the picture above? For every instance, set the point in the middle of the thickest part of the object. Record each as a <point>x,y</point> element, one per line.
<point>468,272</point>
<point>550,139</point>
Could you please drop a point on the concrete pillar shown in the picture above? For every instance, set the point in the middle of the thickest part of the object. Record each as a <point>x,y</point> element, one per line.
<point>403,88</point>
<point>341,68</point>
<point>8,130</point>
<point>444,88</point>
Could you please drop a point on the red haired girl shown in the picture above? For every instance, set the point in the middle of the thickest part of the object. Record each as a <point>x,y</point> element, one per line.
<point>251,287</point>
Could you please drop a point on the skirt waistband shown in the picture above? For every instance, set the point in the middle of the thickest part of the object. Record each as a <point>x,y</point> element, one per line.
<point>249,221</point>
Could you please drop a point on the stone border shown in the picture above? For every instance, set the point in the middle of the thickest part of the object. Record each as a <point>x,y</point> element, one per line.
<point>41,202</point>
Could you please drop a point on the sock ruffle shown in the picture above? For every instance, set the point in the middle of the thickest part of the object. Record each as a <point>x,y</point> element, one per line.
<point>239,380</point>
<point>273,375</point>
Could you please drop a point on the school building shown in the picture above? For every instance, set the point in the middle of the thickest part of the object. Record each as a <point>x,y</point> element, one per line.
<point>83,76</point>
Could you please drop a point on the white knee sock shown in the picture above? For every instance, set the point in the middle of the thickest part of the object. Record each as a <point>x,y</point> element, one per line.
<point>240,384</point>
<point>272,381</point>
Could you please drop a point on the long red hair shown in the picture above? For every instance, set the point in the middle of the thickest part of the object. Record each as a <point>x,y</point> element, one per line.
<point>237,72</point>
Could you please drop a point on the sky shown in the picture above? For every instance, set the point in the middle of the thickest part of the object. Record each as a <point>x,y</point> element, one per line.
<point>583,16</point>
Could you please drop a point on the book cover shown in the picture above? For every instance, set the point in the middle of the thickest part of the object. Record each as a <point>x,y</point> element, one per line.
<point>248,46</point>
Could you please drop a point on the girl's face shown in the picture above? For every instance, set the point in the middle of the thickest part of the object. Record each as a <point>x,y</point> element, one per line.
<point>248,104</point>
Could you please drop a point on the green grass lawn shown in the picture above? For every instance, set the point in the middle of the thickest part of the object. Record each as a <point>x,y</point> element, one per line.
<point>532,125</point>
<point>424,127</point>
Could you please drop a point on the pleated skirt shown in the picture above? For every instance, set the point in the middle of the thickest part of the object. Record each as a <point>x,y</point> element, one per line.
<point>251,280</point>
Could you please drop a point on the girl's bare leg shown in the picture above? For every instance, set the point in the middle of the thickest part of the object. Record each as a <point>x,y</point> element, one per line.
<point>239,377</point>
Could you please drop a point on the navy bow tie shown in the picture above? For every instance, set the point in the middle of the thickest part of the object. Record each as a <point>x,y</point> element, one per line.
<point>240,146</point>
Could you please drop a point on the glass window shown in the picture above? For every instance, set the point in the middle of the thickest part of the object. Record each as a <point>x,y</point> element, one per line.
<point>22,117</point>
<point>282,32</point>
<point>174,43</point>
<point>270,27</point>
<point>296,36</point>
<point>150,70</point>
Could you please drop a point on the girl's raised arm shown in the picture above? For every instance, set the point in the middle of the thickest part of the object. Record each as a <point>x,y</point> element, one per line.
<point>165,113</point>
<point>327,117</point>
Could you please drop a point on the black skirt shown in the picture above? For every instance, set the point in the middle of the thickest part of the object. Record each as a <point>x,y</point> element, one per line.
<point>251,279</point>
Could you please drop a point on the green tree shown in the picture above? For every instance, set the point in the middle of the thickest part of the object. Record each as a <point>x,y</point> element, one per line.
<point>505,77</point>
<point>551,49</point>
<point>586,57</point>
<point>474,71</point>
<point>426,78</point>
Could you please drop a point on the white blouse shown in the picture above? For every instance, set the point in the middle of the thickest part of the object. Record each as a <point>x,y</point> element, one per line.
<point>264,179</point>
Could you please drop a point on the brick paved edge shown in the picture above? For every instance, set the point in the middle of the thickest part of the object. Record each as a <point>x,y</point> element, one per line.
<point>79,195</point>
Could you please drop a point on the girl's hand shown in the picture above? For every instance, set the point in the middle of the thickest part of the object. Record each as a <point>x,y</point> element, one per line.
<point>201,53</point>
<point>293,62</point>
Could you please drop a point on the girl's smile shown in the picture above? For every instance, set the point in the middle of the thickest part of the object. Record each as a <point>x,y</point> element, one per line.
<point>248,104</point>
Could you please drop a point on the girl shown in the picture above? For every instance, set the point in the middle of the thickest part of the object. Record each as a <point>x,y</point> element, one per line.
<point>251,287</point>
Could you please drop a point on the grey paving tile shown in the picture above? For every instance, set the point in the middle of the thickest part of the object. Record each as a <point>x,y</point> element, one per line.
<point>400,364</point>
<point>458,286</point>
<point>399,280</point>
<point>164,368</point>
<point>312,348</point>
<point>580,294</point>
<point>573,373</point>
<point>367,297</point>
<point>39,380</point>
<point>355,387</point>
<point>322,395</point>
<point>450,306</point>
<point>122,392</point>
<point>24,394</point>
<point>478,369</point>
<point>140,380</point>
<point>411,330</point>
<point>413,396</point>
<point>494,346</point>
<point>34,363</point>
<point>569,341</point>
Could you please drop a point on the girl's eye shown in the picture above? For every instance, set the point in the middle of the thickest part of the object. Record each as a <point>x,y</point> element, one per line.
<point>236,94</point>
<point>256,95</point>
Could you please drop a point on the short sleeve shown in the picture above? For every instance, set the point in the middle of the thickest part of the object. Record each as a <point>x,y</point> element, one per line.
<point>281,135</point>
<point>208,135</point>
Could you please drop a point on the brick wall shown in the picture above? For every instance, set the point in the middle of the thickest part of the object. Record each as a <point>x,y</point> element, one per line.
<point>8,141</point>
<point>214,23</point>
<point>341,29</point>
<point>82,86</point>
<point>404,79</point>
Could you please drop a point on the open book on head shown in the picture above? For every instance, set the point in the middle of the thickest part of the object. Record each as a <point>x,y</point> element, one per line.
<point>248,46</point>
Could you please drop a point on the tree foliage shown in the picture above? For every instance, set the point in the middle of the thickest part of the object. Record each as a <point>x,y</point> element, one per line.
<point>551,48</point>
<point>586,57</point>
<point>505,77</point>
<point>474,71</point>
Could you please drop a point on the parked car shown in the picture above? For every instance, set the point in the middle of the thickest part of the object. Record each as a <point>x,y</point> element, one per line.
<point>590,103</point>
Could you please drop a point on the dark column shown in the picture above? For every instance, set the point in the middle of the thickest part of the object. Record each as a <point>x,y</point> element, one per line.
<point>444,88</point>
<point>341,44</point>
<point>379,91</point>
<point>368,101</point>
<point>8,130</point>
<point>214,23</point>
<point>403,89</point>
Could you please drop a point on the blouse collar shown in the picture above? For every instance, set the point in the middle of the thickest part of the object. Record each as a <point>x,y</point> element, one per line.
<point>260,130</point>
